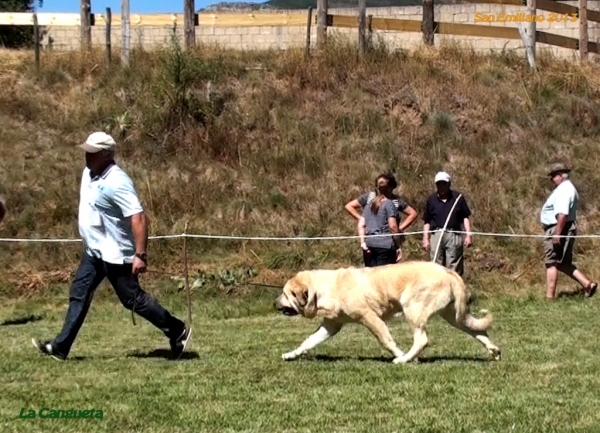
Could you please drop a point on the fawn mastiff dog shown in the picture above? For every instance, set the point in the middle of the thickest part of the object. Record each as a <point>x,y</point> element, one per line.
<point>371,296</point>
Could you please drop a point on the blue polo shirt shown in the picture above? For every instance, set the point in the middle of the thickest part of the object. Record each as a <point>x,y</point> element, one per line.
<point>436,211</point>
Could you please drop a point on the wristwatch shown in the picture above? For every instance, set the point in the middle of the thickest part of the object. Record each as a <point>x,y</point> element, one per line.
<point>142,256</point>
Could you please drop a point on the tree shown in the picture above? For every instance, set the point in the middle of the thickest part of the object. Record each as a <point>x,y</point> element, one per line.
<point>17,36</point>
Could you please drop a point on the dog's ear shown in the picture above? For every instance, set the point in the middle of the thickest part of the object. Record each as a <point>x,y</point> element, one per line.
<point>301,294</point>
<point>306,297</point>
<point>310,306</point>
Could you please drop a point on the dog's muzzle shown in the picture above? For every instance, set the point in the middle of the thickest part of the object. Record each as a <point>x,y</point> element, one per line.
<point>285,310</point>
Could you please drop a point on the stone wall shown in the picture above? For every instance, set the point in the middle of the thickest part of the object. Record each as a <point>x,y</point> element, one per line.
<point>283,37</point>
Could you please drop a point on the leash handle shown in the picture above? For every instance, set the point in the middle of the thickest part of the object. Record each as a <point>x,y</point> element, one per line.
<point>137,293</point>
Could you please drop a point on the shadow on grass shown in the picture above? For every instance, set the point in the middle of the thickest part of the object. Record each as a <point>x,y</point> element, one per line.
<point>432,359</point>
<point>163,353</point>
<point>570,295</point>
<point>388,360</point>
<point>329,358</point>
<point>22,320</point>
<point>158,353</point>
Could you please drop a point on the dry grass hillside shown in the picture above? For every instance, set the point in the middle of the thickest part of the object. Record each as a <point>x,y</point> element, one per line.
<point>283,142</point>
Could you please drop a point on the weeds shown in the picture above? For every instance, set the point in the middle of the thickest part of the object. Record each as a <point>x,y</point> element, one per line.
<point>225,280</point>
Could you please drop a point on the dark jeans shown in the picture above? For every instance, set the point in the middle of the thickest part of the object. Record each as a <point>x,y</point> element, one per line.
<point>89,275</point>
<point>379,256</point>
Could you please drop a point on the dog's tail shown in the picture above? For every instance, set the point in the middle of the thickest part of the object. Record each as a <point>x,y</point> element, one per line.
<point>461,308</point>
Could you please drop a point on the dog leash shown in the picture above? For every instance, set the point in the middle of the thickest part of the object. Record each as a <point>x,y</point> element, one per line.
<point>137,293</point>
<point>437,248</point>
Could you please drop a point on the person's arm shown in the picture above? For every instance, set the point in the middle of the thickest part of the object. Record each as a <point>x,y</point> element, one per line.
<point>126,198</point>
<point>561,221</point>
<point>390,210</point>
<point>139,227</point>
<point>361,227</point>
<point>393,225</point>
<point>2,210</point>
<point>466,212</point>
<point>353,207</point>
<point>562,204</point>
<point>396,236</point>
<point>426,226</point>
<point>411,216</point>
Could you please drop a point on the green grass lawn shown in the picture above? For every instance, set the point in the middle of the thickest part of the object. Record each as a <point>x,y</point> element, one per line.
<point>233,379</point>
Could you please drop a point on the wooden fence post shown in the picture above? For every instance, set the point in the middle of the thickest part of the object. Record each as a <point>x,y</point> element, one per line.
<point>527,43</point>
<point>531,28</point>
<point>108,36</point>
<point>308,29</point>
<point>189,27</point>
<point>125,32</point>
<point>187,280</point>
<point>427,25</point>
<point>583,31</point>
<point>370,30</point>
<point>36,41</point>
<point>86,24</point>
<point>321,22</point>
<point>362,25</point>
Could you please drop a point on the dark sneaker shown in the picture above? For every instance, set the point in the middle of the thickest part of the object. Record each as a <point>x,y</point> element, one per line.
<point>46,348</point>
<point>591,290</point>
<point>178,346</point>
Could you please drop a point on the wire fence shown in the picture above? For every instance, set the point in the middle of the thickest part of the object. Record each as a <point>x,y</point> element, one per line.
<point>305,238</point>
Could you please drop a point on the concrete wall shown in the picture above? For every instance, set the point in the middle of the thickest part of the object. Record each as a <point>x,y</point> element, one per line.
<point>283,37</point>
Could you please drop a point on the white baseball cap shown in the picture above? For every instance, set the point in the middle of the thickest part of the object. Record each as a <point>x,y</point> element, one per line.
<point>97,142</point>
<point>442,176</point>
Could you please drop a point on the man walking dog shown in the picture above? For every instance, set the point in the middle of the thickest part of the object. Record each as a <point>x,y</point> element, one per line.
<point>113,226</point>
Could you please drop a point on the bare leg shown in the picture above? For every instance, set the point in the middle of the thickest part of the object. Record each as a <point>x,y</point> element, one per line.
<point>326,330</point>
<point>551,280</point>
<point>420,340</point>
<point>450,316</point>
<point>380,330</point>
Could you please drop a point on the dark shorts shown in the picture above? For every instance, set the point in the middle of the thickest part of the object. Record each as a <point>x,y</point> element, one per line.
<point>379,257</point>
<point>563,252</point>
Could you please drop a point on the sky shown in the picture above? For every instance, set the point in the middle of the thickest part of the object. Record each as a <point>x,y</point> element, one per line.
<point>136,6</point>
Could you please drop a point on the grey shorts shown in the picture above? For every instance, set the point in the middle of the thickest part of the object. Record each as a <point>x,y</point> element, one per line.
<point>563,252</point>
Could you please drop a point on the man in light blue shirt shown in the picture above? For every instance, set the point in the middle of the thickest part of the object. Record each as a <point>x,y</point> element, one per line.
<point>557,218</point>
<point>113,226</point>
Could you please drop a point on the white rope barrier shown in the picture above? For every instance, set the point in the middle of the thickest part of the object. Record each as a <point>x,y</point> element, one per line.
<point>302,238</point>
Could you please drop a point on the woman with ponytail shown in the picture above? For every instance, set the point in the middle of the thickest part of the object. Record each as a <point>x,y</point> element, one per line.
<point>380,218</point>
<point>385,183</point>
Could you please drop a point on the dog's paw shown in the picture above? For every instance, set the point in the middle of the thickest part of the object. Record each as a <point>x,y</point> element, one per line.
<point>289,356</point>
<point>400,360</point>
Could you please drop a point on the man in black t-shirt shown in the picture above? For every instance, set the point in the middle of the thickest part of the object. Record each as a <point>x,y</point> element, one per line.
<point>437,208</point>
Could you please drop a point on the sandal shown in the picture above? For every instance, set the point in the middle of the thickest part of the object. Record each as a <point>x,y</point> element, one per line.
<point>590,290</point>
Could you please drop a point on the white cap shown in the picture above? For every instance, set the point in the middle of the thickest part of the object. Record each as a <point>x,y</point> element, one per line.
<point>97,142</point>
<point>442,176</point>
